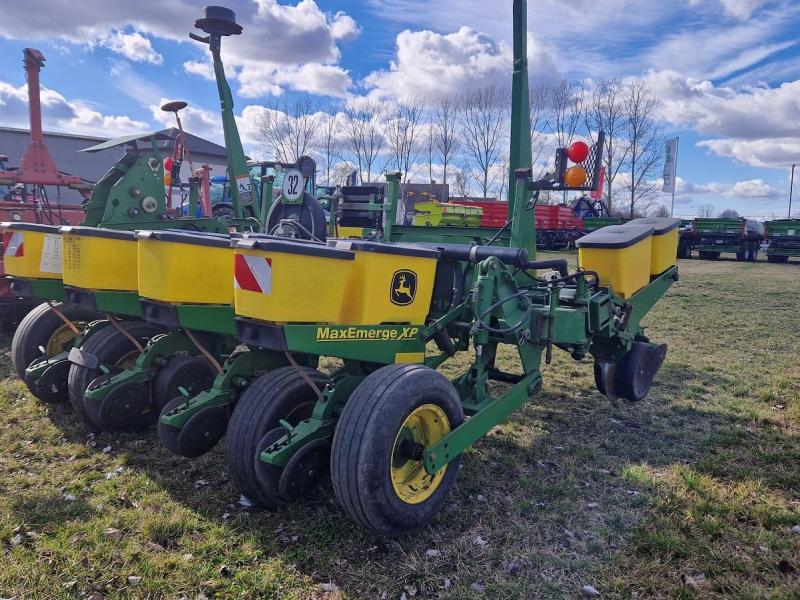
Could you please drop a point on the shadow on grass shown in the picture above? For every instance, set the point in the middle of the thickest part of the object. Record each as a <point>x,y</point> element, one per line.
<point>547,492</point>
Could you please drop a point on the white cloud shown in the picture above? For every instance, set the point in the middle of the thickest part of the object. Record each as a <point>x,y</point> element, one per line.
<point>277,37</point>
<point>755,125</point>
<point>768,153</point>
<point>430,64</point>
<point>133,46</point>
<point>60,114</point>
<point>753,189</point>
<point>344,27</point>
<point>741,9</point>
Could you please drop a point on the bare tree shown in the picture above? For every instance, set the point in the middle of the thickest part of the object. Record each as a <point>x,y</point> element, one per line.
<point>660,211</point>
<point>430,147</point>
<point>605,111</point>
<point>444,123</point>
<point>402,133</point>
<point>329,144</point>
<point>288,128</point>
<point>365,140</point>
<point>539,102</point>
<point>483,123</point>
<point>645,147</point>
<point>706,210</point>
<point>729,213</point>
<point>566,111</point>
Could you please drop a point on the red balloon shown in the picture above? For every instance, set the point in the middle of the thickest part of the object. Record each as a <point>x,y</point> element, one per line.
<point>578,152</point>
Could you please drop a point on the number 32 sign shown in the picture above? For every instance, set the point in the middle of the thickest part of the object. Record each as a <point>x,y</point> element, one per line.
<point>293,185</point>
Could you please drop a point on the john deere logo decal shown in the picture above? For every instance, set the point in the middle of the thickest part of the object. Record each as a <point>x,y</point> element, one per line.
<point>404,287</point>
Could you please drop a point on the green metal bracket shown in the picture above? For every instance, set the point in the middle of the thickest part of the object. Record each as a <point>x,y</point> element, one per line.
<point>156,354</point>
<point>463,436</point>
<point>237,373</point>
<point>118,303</point>
<point>217,318</point>
<point>37,368</point>
<point>321,424</point>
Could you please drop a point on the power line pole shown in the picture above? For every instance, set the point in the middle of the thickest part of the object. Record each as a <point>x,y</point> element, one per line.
<point>791,189</point>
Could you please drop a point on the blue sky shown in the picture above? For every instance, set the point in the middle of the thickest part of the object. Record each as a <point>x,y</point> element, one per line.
<point>727,71</point>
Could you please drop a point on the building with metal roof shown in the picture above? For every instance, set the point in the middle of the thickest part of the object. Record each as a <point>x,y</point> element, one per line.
<point>64,148</point>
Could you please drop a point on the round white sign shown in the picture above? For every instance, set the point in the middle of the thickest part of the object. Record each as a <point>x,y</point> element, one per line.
<point>293,184</point>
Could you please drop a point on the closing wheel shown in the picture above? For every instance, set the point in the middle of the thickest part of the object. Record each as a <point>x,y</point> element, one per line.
<point>192,373</point>
<point>280,395</point>
<point>126,408</point>
<point>202,431</point>
<point>376,458</point>
<point>112,349</point>
<point>42,333</point>
<point>305,469</point>
<point>637,369</point>
<point>51,385</point>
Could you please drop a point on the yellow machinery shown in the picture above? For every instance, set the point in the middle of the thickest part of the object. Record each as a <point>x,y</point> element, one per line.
<point>620,255</point>
<point>664,249</point>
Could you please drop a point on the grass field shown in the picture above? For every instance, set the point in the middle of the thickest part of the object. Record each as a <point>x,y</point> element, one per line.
<point>692,493</point>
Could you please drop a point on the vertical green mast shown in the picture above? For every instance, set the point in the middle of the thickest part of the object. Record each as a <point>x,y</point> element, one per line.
<point>520,152</point>
<point>217,22</point>
<point>523,234</point>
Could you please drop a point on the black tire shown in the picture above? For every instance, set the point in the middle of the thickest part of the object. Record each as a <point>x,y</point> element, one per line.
<point>194,373</point>
<point>741,256</point>
<point>282,394</point>
<point>637,369</point>
<point>599,380</point>
<point>772,258</point>
<point>110,346</point>
<point>37,328</point>
<point>365,441</point>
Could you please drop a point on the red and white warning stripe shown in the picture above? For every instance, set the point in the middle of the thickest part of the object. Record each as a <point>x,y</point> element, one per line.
<point>253,273</point>
<point>13,243</point>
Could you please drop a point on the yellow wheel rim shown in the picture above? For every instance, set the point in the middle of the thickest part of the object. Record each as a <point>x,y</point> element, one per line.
<point>60,338</point>
<point>425,426</point>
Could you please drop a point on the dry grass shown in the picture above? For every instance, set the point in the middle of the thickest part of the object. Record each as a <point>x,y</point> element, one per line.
<point>690,493</point>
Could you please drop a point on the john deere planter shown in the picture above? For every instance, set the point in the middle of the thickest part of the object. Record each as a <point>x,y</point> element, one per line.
<point>388,427</point>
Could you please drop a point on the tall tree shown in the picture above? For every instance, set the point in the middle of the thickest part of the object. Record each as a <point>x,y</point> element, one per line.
<point>329,140</point>
<point>402,134</point>
<point>566,111</point>
<point>645,147</point>
<point>541,115</point>
<point>444,123</point>
<point>483,123</point>
<point>288,128</point>
<point>605,111</point>
<point>365,139</point>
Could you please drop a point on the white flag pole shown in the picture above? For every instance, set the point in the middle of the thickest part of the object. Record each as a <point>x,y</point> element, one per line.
<point>675,176</point>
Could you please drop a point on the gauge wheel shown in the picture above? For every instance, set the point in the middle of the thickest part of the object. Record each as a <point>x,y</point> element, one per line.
<point>42,333</point>
<point>377,471</point>
<point>280,395</point>
<point>112,349</point>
